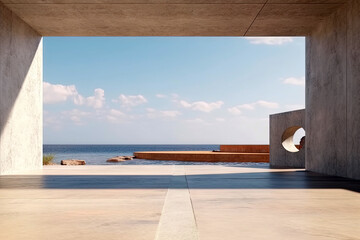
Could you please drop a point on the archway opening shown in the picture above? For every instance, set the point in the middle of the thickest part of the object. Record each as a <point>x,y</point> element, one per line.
<point>293,139</point>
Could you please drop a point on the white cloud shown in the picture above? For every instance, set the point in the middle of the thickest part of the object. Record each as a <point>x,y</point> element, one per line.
<point>171,114</point>
<point>115,116</point>
<point>266,104</point>
<point>294,106</point>
<point>55,93</point>
<point>161,95</point>
<point>237,110</point>
<point>270,40</point>
<point>220,119</point>
<point>196,120</point>
<point>76,116</point>
<point>174,95</point>
<point>295,81</point>
<point>247,106</point>
<point>52,121</point>
<point>131,100</point>
<point>153,113</point>
<point>98,100</point>
<point>202,106</point>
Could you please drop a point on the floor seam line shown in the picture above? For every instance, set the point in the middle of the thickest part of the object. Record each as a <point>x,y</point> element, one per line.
<point>191,201</point>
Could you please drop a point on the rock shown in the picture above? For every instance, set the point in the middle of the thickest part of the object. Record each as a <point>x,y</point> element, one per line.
<point>120,159</point>
<point>73,162</point>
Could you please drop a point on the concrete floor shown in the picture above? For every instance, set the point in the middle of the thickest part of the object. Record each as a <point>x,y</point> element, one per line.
<point>177,202</point>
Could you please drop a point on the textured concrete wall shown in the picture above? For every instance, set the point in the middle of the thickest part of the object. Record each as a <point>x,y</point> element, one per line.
<point>20,95</point>
<point>279,123</point>
<point>333,94</point>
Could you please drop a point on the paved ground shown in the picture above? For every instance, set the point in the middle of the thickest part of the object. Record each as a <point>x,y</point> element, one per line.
<point>177,202</point>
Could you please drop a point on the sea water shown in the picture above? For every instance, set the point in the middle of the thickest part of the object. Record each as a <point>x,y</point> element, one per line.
<point>98,154</point>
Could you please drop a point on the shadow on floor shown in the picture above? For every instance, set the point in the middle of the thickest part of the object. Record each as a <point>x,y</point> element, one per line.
<point>262,180</point>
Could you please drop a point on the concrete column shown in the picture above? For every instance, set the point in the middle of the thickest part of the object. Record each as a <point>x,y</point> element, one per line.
<point>20,95</point>
<point>333,94</point>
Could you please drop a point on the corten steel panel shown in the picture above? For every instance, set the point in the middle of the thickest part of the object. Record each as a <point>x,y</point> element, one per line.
<point>279,157</point>
<point>245,148</point>
<point>203,156</point>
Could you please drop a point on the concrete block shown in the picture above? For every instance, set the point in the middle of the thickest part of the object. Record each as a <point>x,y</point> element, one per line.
<point>282,128</point>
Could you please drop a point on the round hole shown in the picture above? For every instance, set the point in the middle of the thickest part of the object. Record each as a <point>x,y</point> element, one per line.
<point>293,139</point>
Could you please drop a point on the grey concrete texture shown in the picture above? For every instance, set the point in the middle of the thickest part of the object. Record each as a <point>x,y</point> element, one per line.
<point>353,90</point>
<point>279,123</point>
<point>332,95</point>
<point>173,18</point>
<point>196,202</point>
<point>20,94</point>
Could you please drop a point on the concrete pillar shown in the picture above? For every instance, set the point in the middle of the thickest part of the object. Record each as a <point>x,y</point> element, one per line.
<point>333,94</point>
<point>20,95</point>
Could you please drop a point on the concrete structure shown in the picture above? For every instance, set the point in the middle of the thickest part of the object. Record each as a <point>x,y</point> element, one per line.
<point>203,156</point>
<point>177,203</point>
<point>173,17</point>
<point>332,94</point>
<point>283,152</point>
<point>20,94</point>
<point>333,79</point>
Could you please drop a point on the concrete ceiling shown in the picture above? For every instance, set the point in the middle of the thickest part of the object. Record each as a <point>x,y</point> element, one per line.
<point>173,17</point>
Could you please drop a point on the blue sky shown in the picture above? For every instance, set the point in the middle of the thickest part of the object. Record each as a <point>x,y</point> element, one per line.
<point>169,90</point>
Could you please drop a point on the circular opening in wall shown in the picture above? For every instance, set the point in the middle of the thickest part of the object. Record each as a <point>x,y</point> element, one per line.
<point>293,139</point>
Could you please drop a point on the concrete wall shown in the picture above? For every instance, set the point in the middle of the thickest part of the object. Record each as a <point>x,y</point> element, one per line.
<point>333,94</point>
<point>279,123</point>
<point>20,95</point>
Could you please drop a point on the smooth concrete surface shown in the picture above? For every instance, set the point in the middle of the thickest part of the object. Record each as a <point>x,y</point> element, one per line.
<point>173,17</point>
<point>137,202</point>
<point>177,220</point>
<point>203,156</point>
<point>245,148</point>
<point>279,124</point>
<point>332,94</point>
<point>353,90</point>
<point>20,94</point>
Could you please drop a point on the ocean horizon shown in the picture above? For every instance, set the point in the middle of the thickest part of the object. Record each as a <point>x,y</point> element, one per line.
<point>97,154</point>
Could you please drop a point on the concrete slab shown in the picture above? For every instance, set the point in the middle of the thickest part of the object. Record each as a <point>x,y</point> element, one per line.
<point>127,202</point>
<point>138,19</point>
<point>300,19</point>
<point>173,18</point>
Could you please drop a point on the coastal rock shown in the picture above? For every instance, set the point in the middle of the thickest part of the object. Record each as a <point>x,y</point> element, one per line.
<point>120,159</point>
<point>73,162</point>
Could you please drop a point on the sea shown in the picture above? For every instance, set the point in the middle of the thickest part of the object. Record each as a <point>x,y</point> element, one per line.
<point>98,154</point>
